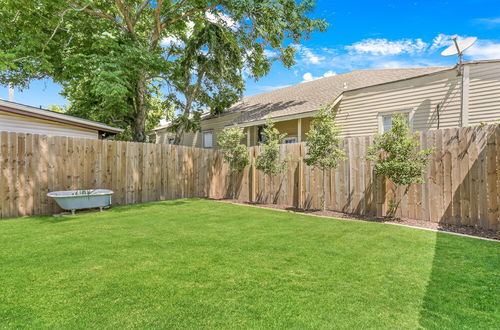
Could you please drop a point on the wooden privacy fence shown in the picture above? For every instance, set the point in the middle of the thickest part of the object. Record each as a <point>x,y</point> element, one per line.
<point>462,182</point>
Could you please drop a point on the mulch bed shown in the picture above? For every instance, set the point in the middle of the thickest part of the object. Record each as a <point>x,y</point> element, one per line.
<point>444,227</point>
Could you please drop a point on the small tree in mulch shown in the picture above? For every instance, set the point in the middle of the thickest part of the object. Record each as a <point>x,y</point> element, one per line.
<point>233,151</point>
<point>268,160</point>
<point>323,143</point>
<point>398,157</point>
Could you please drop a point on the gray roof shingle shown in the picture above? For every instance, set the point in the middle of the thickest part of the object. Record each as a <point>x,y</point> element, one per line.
<point>311,96</point>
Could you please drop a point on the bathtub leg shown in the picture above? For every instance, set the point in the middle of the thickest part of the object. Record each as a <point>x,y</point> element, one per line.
<point>72,212</point>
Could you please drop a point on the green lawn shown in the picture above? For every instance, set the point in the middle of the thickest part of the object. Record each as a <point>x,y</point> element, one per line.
<point>197,263</point>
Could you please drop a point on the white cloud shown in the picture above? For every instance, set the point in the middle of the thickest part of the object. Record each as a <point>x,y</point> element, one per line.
<point>329,73</point>
<point>329,50</point>
<point>171,40</point>
<point>489,22</point>
<point>308,56</point>
<point>221,18</point>
<point>175,40</point>
<point>311,57</point>
<point>386,47</point>
<point>484,50</point>
<point>440,41</point>
<point>270,53</point>
<point>308,76</point>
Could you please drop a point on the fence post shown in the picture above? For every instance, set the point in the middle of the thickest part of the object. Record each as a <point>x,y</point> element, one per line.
<point>253,174</point>
<point>300,186</point>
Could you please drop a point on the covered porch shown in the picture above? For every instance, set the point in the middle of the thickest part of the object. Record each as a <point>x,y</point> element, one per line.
<point>295,130</point>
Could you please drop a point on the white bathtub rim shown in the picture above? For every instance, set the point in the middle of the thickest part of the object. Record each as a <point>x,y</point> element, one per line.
<point>105,192</point>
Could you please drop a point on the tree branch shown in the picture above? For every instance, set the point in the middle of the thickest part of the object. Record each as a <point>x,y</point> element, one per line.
<point>140,9</point>
<point>126,16</point>
<point>94,12</point>
<point>61,20</point>
<point>157,27</point>
<point>98,14</point>
<point>188,13</point>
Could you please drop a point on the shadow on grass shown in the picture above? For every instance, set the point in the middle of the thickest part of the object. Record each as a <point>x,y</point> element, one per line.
<point>142,206</point>
<point>115,209</point>
<point>59,219</point>
<point>462,291</point>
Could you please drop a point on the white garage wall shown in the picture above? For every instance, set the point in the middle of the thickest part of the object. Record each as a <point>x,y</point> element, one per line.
<point>23,124</point>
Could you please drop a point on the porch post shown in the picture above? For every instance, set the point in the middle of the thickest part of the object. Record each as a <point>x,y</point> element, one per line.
<point>248,136</point>
<point>299,130</point>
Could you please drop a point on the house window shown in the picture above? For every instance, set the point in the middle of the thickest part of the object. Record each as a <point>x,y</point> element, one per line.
<point>385,119</point>
<point>260,130</point>
<point>387,122</point>
<point>171,140</point>
<point>289,140</point>
<point>208,139</point>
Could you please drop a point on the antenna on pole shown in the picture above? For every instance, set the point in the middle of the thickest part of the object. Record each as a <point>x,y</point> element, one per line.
<point>458,48</point>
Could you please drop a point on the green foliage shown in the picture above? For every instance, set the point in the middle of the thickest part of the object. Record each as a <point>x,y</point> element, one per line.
<point>323,140</point>
<point>110,55</point>
<point>234,152</point>
<point>57,108</point>
<point>268,160</point>
<point>397,156</point>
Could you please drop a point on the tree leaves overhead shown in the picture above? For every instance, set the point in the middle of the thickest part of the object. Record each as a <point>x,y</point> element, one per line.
<point>110,55</point>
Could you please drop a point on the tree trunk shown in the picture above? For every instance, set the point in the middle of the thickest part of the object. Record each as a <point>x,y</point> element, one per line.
<point>190,93</point>
<point>394,204</point>
<point>141,111</point>
<point>178,135</point>
<point>323,194</point>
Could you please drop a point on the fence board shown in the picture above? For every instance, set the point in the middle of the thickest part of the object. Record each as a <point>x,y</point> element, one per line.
<point>492,179</point>
<point>5,159</point>
<point>461,186</point>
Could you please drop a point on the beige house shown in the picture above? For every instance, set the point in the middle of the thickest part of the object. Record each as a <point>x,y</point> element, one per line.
<point>20,118</point>
<point>366,100</point>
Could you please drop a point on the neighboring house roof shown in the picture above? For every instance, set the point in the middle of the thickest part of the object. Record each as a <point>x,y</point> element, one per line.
<point>311,96</point>
<point>29,111</point>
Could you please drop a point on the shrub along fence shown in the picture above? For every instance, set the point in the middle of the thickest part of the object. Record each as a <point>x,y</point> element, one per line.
<point>462,182</point>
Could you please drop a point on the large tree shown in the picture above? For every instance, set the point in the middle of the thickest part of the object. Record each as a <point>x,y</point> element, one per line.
<point>113,58</point>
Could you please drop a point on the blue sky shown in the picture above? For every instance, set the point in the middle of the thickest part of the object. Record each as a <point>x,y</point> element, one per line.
<point>363,35</point>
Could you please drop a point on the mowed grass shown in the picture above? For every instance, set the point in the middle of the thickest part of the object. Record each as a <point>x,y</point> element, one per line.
<point>204,264</point>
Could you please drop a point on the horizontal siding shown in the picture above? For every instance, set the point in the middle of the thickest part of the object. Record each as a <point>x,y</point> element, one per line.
<point>162,136</point>
<point>216,125</point>
<point>23,124</point>
<point>484,93</point>
<point>359,110</point>
<point>194,139</point>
